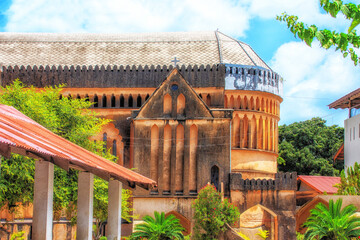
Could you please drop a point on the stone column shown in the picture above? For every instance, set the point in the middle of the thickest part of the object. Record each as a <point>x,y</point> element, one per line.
<point>192,159</point>
<point>179,165</point>
<point>167,160</point>
<point>114,210</point>
<point>43,201</point>
<point>85,206</point>
<point>154,155</point>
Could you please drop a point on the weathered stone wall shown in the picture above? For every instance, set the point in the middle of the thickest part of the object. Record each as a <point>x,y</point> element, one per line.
<point>111,76</point>
<point>278,195</point>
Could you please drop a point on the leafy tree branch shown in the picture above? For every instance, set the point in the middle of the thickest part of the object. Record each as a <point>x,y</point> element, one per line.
<point>345,42</point>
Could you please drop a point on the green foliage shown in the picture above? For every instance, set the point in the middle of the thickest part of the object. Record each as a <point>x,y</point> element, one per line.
<point>17,236</point>
<point>345,42</point>
<point>159,228</point>
<point>264,234</point>
<point>307,147</point>
<point>332,223</point>
<point>69,118</point>
<point>350,184</point>
<point>299,236</point>
<point>211,214</point>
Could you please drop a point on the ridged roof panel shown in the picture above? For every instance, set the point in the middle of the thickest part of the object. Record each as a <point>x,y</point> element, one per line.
<point>124,49</point>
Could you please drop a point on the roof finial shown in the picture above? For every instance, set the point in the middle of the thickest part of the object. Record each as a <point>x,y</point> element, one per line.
<point>175,61</point>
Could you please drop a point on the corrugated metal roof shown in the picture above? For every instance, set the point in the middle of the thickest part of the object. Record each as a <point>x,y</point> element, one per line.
<point>348,101</point>
<point>124,49</point>
<point>20,134</point>
<point>321,184</point>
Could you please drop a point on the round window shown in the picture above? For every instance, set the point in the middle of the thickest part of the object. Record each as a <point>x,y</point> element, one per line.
<point>174,87</point>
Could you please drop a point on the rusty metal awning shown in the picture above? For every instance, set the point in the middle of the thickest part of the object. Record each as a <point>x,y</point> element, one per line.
<point>351,100</point>
<point>20,134</point>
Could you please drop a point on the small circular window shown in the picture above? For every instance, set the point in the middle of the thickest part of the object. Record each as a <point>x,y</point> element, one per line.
<point>174,87</point>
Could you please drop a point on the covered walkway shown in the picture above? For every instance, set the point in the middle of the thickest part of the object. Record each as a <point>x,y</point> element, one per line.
<point>19,134</point>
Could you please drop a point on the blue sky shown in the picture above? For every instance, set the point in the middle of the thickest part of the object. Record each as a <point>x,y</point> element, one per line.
<point>313,77</point>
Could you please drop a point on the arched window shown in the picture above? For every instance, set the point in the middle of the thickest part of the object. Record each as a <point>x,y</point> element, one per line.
<point>104,101</point>
<point>69,97</point>
<point>114,148</point>
<point>138,101</point>
<point>147,97</point>
<point>112,101</point>
<point>78,97</point>
<point>122,101</point>
<point>167,104</point>
<point>96,101</point>
<point>215,176</point>
<point>130,102</point>
<point>200,96</point>
<point>105,141</point>
<point>60,96</point>
<point>180,104</point>
<point>86,98</point>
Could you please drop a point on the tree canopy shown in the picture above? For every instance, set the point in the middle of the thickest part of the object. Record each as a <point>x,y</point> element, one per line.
<point>343,41</point>
<point>308,147</point>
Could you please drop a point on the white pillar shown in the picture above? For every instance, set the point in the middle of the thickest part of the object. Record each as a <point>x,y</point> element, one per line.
<point>114,210</point>
<point>85,206</point>
<point>43,201</point>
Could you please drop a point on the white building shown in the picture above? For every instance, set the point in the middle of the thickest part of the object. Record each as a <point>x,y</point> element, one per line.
<point>350,151</point>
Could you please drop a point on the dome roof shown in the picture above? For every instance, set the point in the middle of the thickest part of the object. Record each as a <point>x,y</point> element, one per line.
<point>190,48</point>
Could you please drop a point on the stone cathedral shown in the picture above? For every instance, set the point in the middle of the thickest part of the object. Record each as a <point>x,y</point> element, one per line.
<point>187,108</point>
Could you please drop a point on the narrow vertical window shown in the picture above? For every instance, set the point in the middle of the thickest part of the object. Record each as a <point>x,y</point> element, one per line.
<point>167,104</point>
<point>138,101</point>
<point>147,97</point>
<point>122,101</point>
<point>180,104</point>
<point>215,177</point>
<point>104,101</point>
<point>112,101</point>
<point>105,142</point>
<point>114,148</point>
<point>96,101</point>
<point>130,102</point>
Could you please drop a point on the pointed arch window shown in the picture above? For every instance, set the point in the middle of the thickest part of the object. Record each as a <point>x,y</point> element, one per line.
<point>215,176</point>
<point>122,101</point>
<point>112,101</point>
<point>104,101</point>
<point>138,101</point>
<point>130,102</point>
<point>96,101</point>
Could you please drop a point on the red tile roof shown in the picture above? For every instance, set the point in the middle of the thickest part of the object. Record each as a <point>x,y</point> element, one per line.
<point>20,134</point>
<point>321,184</point>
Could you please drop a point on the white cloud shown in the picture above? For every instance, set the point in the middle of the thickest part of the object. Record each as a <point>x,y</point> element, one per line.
<point>314,77</point>
<point>308,11</point>
<point>127,16</point>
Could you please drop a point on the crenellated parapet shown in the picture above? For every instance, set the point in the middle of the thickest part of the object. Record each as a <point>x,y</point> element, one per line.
<point>282,181</point>
<point>242,77</point>
<point>111,76</point>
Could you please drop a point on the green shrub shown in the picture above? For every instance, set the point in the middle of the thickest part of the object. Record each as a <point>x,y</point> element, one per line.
<point>211,214</point>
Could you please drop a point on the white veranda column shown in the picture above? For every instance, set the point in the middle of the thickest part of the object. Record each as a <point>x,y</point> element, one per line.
<point>85,206</point>
<point>114,210</point>
<point>43,201</point>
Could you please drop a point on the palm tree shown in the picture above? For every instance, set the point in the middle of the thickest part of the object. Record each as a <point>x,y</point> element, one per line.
<point>332,223</point>
<point>159,228</point>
